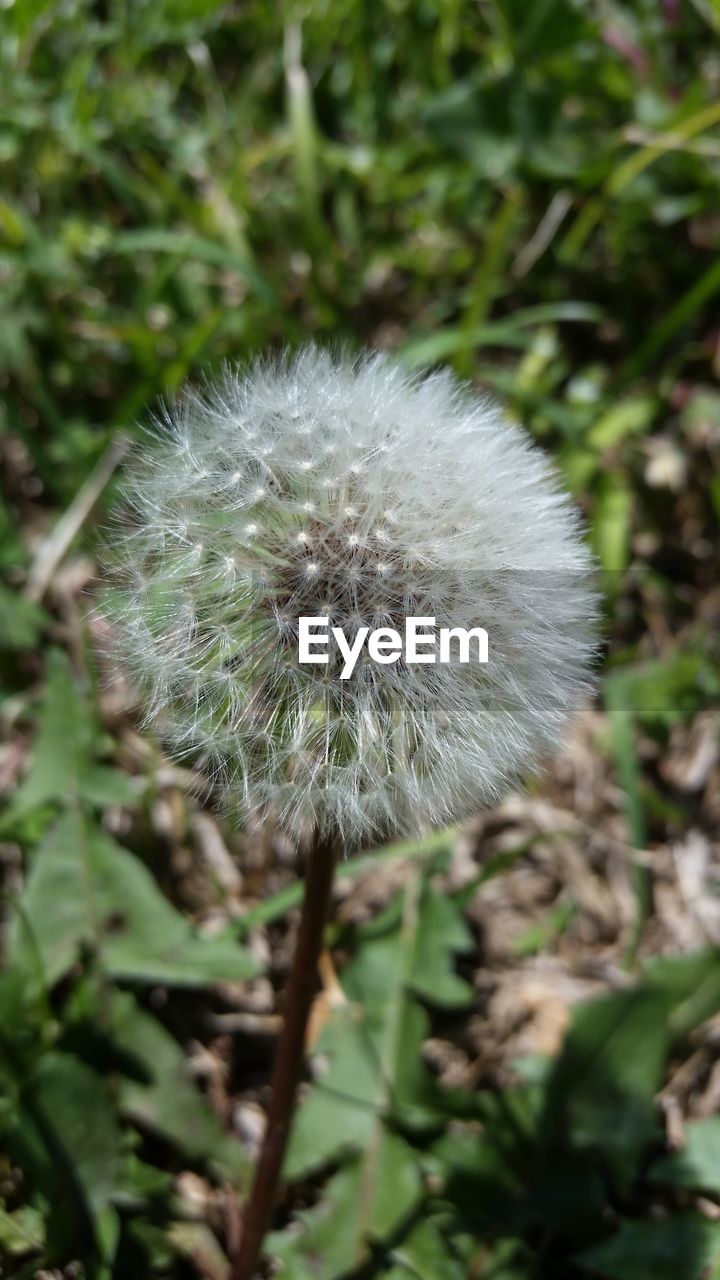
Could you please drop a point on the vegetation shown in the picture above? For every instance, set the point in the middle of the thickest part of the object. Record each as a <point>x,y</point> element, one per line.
<point>515,1055</point>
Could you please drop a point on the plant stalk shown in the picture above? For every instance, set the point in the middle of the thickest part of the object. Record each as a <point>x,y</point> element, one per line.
<point>289,1055</point>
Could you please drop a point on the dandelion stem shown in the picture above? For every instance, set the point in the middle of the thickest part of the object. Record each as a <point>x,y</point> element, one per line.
<point>289,1056</point>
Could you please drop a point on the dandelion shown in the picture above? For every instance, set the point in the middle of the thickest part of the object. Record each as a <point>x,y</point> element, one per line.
<point>320,487</point>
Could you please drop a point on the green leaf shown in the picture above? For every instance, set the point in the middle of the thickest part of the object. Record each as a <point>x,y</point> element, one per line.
<point>373,1046</point>
<point>85,891</point>
<point>188,245</point>
<point>552,25</point>
<point>375,1074</point>
<point>21,621</point>
<point>22,17</point>
<point>368,1199</point>
<point>544,933</point>
<point>441,931</point>
<point>63,745</point>
<point>630,417</point>
<point>612,521</point>
<point>679,1247</point>
<point>63,767</point>
<point>678,317</point>
<point>513,332</point>
<point>80,1126</point>
<point>667,691</point>
<point>620,711</point>
<point>22,1231</point>
<point>340,1112</point>
<point>697,1165</point>
<point>425,1254</point>
<point>602,1088</point>
<point>512,1175</point>
<point>168,1103</point>
<point>691,983</point>
<point>102,787</point>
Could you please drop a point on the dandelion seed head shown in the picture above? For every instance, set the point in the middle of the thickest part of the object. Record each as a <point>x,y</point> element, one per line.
<point>321,485</point>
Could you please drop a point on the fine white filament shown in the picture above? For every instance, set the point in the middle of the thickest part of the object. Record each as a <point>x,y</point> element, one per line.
<point>317,484</point>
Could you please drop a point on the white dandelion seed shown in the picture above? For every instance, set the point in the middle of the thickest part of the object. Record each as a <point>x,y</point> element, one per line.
<point>387,495</point>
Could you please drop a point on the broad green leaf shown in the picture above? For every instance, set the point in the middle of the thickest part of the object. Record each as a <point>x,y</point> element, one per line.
<point>373,1046</point>
<point>441,932</point>
<point>679,1247</point>
<point>85,891</point>
<point>602,1088</point>
<point>62,749</point>
<point>368,1199</point>
<point>141,1182</point>
<point>22,1231</point>
<point>80,1125</point>
<point>482,1180</point>
<point>21,621</point>
<point>101,787</point>
<point>510,1176</point>
<point>425,1254</point>
<point>697,1164</point>
<point>691,983</point>
<point>63,766</point>
<point>169,1104</point>
<point>340,1112</point>
<point>374,1065</point>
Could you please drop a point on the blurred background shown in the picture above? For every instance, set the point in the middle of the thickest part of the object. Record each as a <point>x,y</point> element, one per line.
<point>516,1071</point>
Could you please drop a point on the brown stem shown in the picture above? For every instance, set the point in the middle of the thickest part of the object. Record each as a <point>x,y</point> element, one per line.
<point>289,1053</point>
